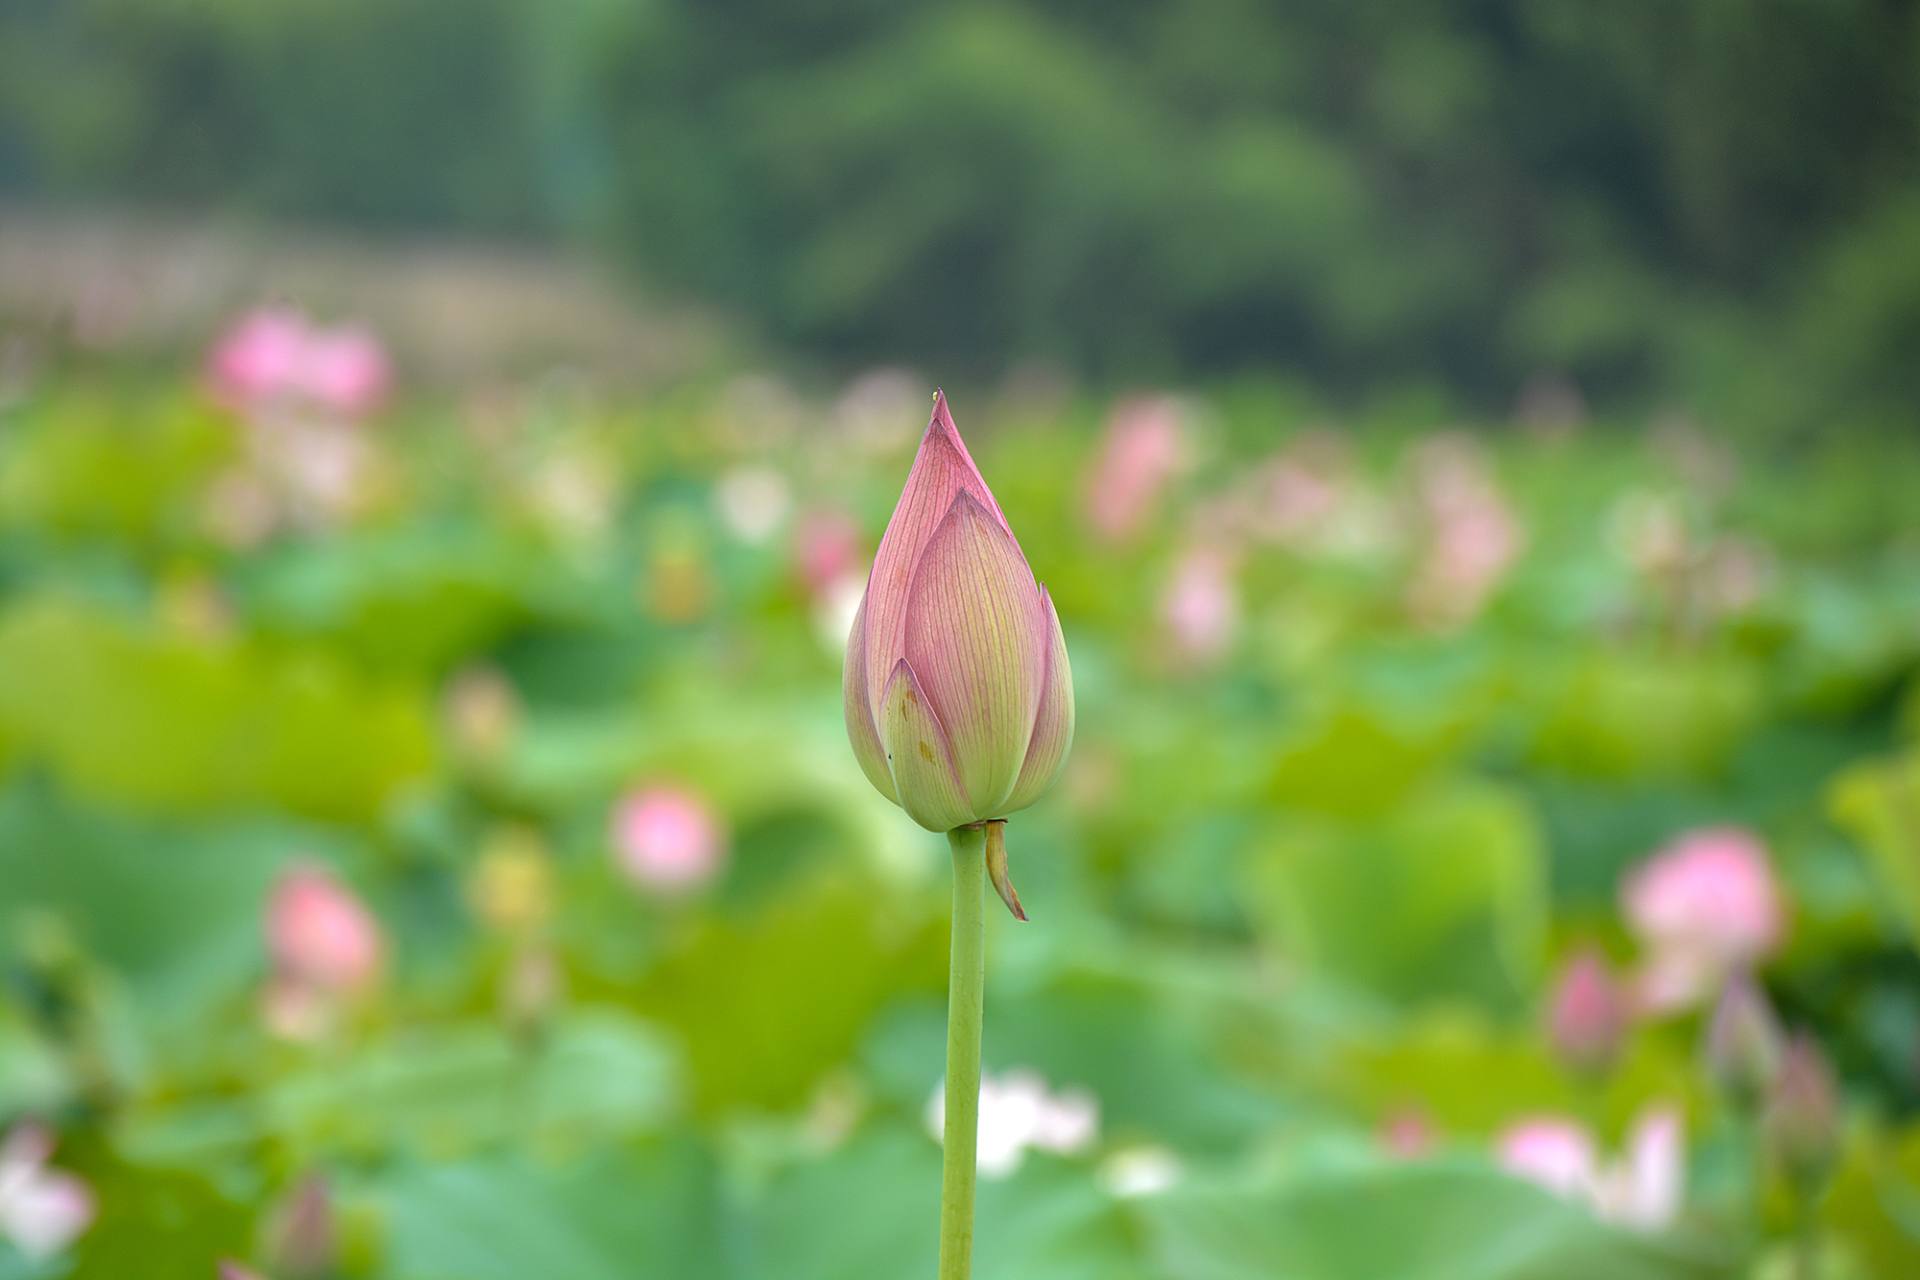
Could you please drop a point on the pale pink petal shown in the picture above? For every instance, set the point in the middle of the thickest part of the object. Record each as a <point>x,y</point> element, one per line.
<point>920,755</point>
<point>1643,1190</point>
<point>977,639</point>
<point>1052,724</point>
<point>1552,1151</point>
<point>861,728</point>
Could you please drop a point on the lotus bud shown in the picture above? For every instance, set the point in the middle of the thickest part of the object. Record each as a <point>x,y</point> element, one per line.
<point>959,699</point>
<point>1803,1113</point>
<point>1743,1041</point>
<point>1587,1018</point>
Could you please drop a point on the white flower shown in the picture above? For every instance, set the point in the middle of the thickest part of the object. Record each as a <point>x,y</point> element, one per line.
<point>1140,1171</point>
<point>42,1210</point>
<point>1017,1114</point>
<point>753,502</point>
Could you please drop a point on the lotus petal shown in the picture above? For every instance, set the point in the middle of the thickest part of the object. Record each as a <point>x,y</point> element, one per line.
<point>861,729</point>
<point>919,753</point>
<point>942,470</point>
<point>1052,725</point>
<point>977,638</point>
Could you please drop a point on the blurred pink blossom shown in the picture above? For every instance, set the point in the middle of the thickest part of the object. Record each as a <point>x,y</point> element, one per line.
<point>347,372</point>
<point>1408,1133</point>
<point>1297,496</point>
<point>1144,448</point>
<point>667,838</point>
<point>276,359</point>
<point>1641,1189</point>
<point>1588,1012</point>
<point>320,936</point>
<point>1471,534</point>
<point>1648,529</point>
<point>1705,906</point>
<point>1018,1113</point>
<point>1200,607</point>
<point>259,359</point>
<point>827,548</point>
<point>42,1210</point>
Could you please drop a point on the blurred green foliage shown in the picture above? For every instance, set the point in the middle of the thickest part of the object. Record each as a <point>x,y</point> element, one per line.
<point>1712,200</point>
<point>1291,891</point>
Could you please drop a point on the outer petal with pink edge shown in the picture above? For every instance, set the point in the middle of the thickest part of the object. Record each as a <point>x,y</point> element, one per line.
<point>977,638</point>
<point>861,729</point>
<point>942,470</point>
<point>1052,726</point>
<point>919,754</point>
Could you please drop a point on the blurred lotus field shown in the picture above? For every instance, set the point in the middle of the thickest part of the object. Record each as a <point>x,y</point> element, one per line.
<point>429,847</point>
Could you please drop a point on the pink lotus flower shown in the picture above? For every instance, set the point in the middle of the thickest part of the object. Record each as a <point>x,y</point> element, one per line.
<point>959,700</point>
<point>1705,906</point>
<point>1145,448</point>
<point>322,939</point>
<point>667,839</point>
<point>1587,1016</point>
<point>42,1210</point>
<point>274,358</point>
<point>1641,1189</point>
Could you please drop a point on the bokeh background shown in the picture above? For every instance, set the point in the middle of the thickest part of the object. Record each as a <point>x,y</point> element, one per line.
<point>1474,448</point>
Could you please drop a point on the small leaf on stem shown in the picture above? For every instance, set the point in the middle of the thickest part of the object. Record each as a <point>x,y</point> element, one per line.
<point>997,868</point>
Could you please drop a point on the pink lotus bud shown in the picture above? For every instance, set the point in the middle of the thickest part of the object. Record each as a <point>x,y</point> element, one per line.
<point>1803,1112</point>
<point>321,938</point>
<point>230,1270</point>
<point>1588,1014</point>
<point>1705,906</point>
<point>304,1235</point>
<point>1743,1041</point>
<point>1408,1134</point>
<point>667,839</point>
<point>959,699</point>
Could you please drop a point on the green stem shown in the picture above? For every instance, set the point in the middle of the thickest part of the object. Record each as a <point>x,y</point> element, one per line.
<point>966,986</point>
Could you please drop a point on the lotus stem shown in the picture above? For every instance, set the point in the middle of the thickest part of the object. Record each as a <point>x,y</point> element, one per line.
<point>966,986</point>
